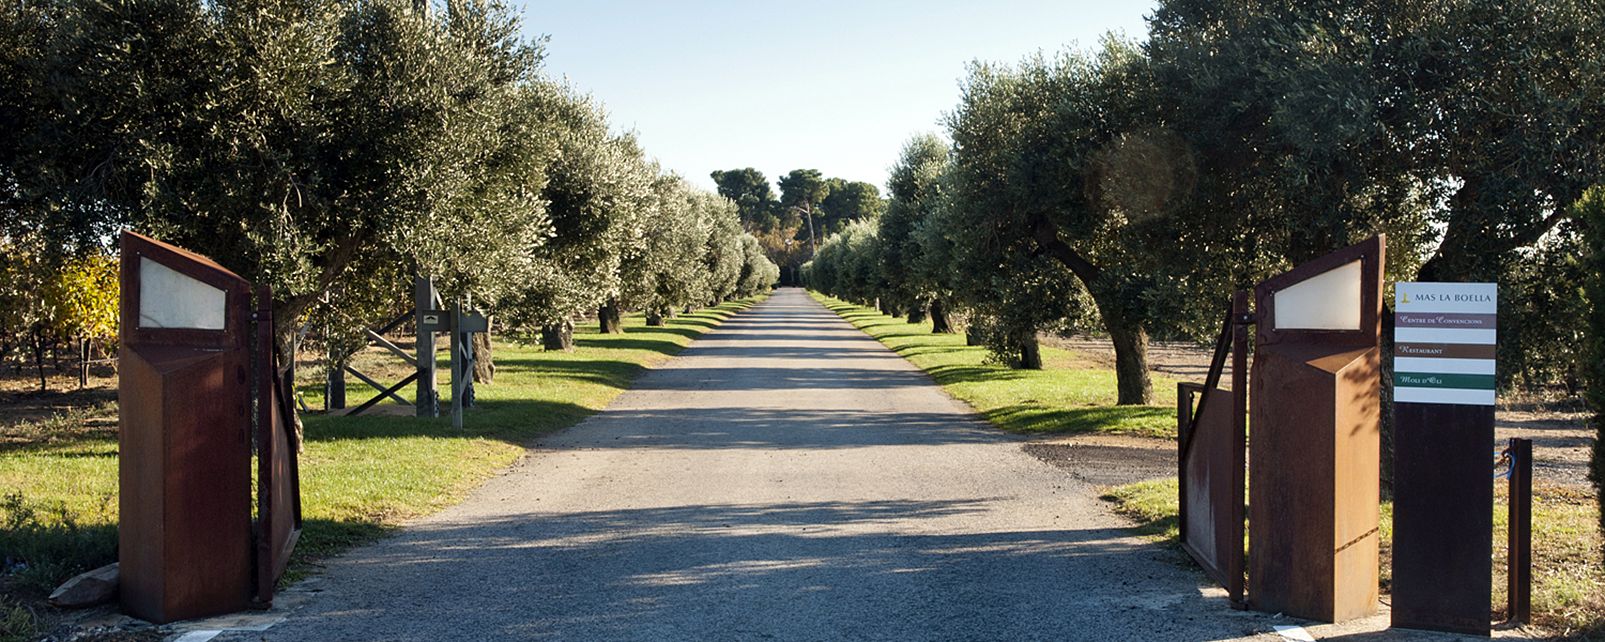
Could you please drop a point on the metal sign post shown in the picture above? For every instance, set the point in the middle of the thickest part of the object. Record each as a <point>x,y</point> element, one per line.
<point>1443,428</point>
<point>1519,560</point>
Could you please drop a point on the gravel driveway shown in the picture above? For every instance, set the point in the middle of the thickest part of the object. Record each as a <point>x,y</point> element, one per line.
<point>786,477</point>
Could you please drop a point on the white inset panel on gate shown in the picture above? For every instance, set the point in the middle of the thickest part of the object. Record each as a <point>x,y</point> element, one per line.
<point>1327,301</point>
<point>168,299</point>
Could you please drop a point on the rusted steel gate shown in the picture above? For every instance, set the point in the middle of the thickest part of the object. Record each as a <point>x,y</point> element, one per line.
<point>278,489</point>
<point>1316,418</point>
<point>199,381</point>
<point>1211,429</point>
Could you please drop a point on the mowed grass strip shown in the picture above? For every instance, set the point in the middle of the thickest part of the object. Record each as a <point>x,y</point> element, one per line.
<point>1062,397</point>
<point>1568,580</point>
<point>360,476</point>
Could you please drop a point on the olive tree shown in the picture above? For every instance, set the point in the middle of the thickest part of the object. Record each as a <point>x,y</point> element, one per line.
<point>1062,183</point>
<point>296,142</point>
<point>1462,129</point>
<point>758,274</point>
<point>915,188</point>
<point>669,273</point>
<point>722,256</point>
<point>598,190</point>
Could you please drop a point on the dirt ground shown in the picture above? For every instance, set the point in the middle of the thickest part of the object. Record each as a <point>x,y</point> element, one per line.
<point>1108,460</point>
<point>23,406</point>
<point>1561,438</point>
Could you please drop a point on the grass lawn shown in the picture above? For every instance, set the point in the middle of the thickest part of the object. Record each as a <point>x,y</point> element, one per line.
<point>1060,398</point>
<point>360,476</point>
<point>1568,580</point>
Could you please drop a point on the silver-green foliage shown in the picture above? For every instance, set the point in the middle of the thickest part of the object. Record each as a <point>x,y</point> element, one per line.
<point>599,195</point>
<point>758,273</point>
<point>303,143</point>
<point>670,271</point>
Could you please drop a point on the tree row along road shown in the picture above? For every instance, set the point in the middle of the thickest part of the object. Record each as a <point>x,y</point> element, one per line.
<point>785,477</point>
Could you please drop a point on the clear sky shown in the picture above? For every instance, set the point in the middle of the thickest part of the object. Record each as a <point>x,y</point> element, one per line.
<point>836,86</point>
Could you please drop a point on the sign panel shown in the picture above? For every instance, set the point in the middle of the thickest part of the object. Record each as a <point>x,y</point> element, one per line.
<point>1444,337</point>
<point>434,321</point>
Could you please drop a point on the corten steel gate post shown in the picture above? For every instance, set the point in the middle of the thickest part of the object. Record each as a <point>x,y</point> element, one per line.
<point>1519,558</point>
<point>184,533</point>
<point>1316,436</point>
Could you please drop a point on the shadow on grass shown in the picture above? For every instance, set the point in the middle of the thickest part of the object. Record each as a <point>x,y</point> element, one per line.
<point>1147,421</point>
<point>972,374</point>
<point>660,345</point>
<point>515,421</point>
<point>322,539</point>
<point>42,545</point>
<point>1166,529</point>
<point>991,388</point>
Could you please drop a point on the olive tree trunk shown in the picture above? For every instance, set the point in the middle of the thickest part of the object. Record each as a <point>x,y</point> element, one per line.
<point>1131,363</point>
<point>916,312</point>
<point>940,324</point>
<point>484,367</point>
<point>1129,334</point>
<point>558,336</point>
<point>609,318</point>
<point>972,336</point>
<point>1030,354</point>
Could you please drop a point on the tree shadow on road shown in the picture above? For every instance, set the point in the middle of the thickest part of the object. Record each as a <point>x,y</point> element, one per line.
<point>818,570</point>
<point>745,427</point>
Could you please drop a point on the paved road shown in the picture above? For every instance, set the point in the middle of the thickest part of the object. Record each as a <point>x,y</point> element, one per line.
<point>786,477</point>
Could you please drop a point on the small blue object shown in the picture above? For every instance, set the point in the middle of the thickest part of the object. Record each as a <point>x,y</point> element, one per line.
<point>1504,463</point>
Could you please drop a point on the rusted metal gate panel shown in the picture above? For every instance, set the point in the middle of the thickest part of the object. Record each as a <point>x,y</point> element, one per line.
<point>1314,481</point>
<point>184,452</point>
<point>278,491</point>
<point>1211,436</point>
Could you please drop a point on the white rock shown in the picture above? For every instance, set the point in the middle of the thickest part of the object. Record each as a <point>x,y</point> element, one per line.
<point>89,589</point>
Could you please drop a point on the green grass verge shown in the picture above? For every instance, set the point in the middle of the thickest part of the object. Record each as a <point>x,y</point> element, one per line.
<point>1568,582</point>
<point>16,622</point>
<point>1060,398</point>
<point>360,476</point>
<point>1152,504</point>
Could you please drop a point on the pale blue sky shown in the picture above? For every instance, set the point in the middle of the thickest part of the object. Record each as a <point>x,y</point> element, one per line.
<point>837,86</point>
